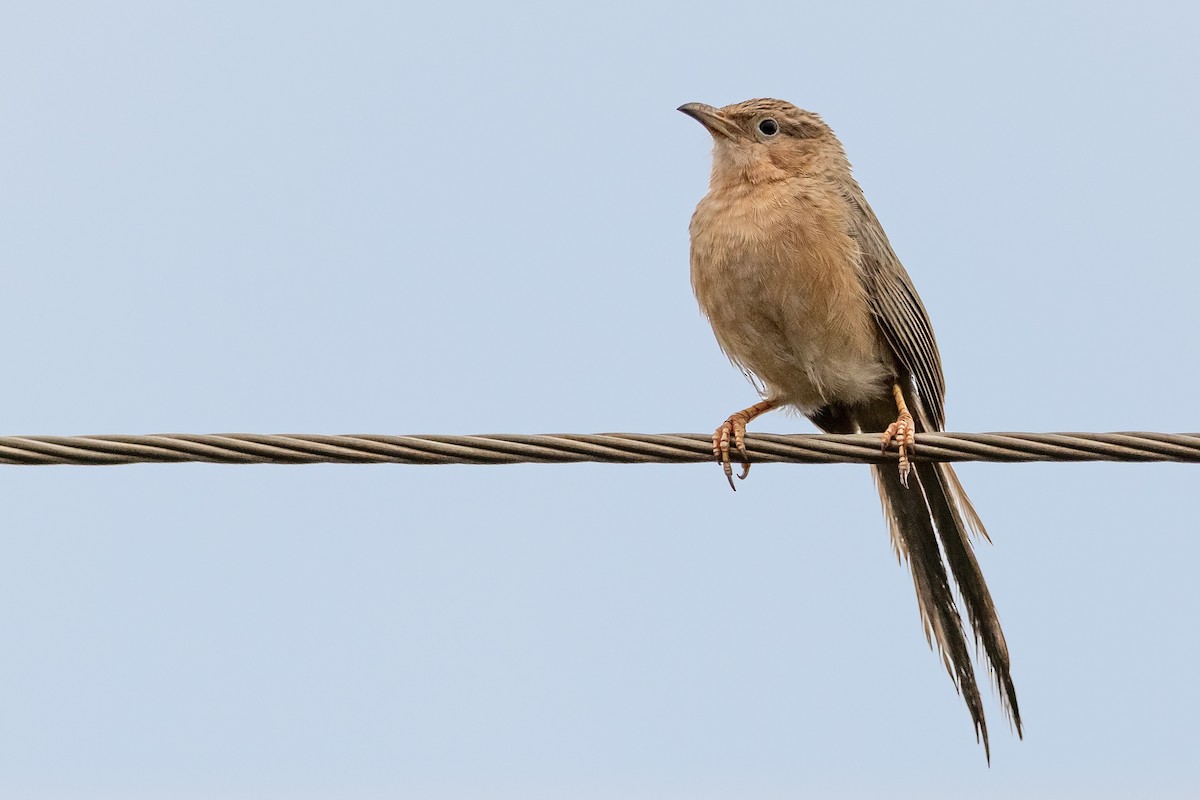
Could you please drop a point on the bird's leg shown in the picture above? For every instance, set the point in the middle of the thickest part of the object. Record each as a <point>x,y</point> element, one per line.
<point>904,431</point>
<point>734,432</point>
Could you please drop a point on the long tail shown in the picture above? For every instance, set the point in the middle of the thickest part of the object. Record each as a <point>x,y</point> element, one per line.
<point>949,505</point>
<point>932,511</point>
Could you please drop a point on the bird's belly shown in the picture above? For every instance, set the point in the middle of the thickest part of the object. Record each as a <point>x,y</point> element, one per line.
<point>793,312</point>
<point>802,354</point>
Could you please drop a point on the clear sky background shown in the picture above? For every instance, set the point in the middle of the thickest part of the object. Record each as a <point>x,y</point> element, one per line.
<point>453,218</point>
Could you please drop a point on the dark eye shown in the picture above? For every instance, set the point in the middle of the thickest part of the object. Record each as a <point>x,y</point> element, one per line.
<point>768,127</point>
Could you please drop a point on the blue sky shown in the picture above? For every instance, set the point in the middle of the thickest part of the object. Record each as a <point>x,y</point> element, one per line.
<point>408,218</point>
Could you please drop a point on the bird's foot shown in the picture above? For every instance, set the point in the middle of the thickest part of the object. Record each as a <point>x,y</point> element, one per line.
<point>903,430</point>
<point>732,436</point>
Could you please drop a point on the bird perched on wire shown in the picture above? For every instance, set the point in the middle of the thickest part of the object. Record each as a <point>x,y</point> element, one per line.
<point>806,296</point>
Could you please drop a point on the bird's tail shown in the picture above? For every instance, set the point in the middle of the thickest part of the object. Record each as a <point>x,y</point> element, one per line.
<point>929,524</point>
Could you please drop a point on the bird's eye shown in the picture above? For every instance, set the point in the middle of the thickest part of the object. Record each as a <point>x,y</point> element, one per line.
<point>768,127</point>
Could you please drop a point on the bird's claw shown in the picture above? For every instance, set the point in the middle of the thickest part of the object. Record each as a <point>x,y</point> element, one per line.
<point>731,436</point>
<point>903,430</point>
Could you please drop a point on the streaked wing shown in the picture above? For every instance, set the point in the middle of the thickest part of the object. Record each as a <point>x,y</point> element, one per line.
<point>898,309</point>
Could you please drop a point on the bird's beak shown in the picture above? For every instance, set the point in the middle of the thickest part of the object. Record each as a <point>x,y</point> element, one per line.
<point>711,118</point>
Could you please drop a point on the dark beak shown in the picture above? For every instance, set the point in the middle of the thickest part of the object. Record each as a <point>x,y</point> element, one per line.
<point>711,118</point>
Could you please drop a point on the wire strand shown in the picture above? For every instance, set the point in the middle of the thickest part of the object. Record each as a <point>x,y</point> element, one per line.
<point>607,448</point>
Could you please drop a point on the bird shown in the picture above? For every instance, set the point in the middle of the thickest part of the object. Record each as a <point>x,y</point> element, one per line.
<point>807,297</point>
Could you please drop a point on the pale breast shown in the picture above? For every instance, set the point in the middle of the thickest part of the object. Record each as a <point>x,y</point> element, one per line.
<point>776,274</point>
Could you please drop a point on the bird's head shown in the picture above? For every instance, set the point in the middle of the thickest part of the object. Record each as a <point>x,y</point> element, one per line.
<point>765,140</point>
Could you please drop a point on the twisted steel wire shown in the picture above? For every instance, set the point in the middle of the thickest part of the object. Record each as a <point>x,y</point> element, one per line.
<point>610,448</point>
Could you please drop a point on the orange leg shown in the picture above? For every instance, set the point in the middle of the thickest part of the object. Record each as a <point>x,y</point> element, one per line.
<point>734,432</point>
<point>904,431</point>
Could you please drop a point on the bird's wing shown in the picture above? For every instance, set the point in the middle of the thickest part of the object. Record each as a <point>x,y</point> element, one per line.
<point>898,309</point>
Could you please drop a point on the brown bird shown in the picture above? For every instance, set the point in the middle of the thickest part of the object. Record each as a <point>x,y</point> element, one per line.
<point>806,297</point>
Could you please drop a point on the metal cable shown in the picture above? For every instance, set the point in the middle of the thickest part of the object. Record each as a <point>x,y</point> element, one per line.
<point>610,448</point>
